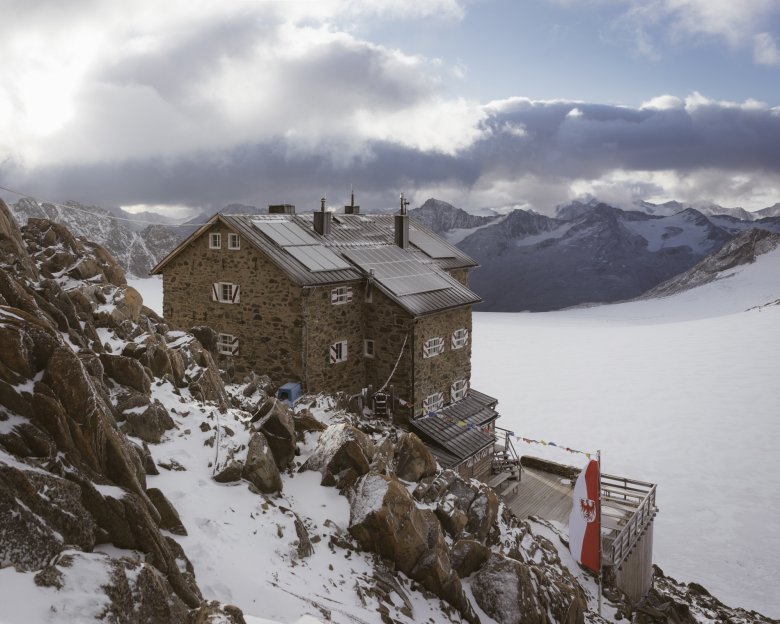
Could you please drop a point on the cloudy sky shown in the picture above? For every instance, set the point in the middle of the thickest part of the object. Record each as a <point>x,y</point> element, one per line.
<point>484,103</point>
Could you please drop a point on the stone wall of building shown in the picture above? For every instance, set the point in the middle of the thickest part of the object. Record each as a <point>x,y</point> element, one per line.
<point>267,320</point>
<point>437,373</point>
<point>387,324</point>
<point>462,275</point>
<point>325,323</point>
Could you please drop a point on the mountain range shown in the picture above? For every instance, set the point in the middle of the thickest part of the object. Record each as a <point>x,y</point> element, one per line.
<point>589,252</point>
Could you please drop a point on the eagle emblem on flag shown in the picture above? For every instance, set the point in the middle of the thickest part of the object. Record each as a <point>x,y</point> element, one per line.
<point>588,509</point>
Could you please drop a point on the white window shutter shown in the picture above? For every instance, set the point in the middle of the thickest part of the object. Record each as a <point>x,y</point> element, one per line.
<point>344,350</point>
<point>234,346</point>
<point>334,354</point>
<point>215,291</point>
<point>236,293</point>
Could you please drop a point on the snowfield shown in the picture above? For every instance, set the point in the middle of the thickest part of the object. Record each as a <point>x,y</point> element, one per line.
<point>681,391</point>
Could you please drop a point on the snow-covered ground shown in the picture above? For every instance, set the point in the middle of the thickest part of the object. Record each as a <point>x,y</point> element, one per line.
<point>681,391</point>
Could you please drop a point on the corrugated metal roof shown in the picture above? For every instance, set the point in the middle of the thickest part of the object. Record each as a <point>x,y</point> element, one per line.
<point>360,232</point>
<point>457,428</point>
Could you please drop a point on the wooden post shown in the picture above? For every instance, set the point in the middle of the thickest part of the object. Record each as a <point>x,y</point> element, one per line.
<point>601,564</point>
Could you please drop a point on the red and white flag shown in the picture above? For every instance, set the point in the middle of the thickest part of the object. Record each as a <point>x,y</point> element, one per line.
<point>584,519</point>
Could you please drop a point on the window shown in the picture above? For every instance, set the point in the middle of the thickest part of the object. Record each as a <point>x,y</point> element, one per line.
<point>342,294</point>
<point>460,338</point>
<point>433,402</point>
<point>368,348</point>
<point>234,241</point>
<point>215,240</point>
<point>227,344</point>
<point>433,346</point>
<point>458,390</point>
<point>225,292</point>
<point>338,352</point>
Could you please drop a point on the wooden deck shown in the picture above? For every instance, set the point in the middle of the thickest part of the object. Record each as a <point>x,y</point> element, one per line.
<point>541,494</point>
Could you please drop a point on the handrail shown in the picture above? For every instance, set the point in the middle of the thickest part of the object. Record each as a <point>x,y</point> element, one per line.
<point>627,538</point>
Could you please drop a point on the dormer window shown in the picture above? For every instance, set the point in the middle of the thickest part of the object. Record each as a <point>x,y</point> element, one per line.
<point>215,240</point>
<point>433,346</point>
<point>234,241</point>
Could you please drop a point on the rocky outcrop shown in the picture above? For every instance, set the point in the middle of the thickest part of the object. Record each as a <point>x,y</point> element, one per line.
<point>169,517</point>
<point>275,420</point>
<point>343,455</point>
<point>512,592</point>
<point>413,460</point>
<point>384,519</point>
<point>260,468</point>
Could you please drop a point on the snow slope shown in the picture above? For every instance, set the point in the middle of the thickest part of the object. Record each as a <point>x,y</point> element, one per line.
<point>681,391</point>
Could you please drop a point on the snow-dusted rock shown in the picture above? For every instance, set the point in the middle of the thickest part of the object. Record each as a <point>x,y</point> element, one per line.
<point>512,592</point>
<point>468,556</point>
<point>385,520</point>
<point>343,454</point>
<point>126,371</point>
<point>412,459</point>
<point>260,468</point>
<point>169,517</point>
<point>275,420</point>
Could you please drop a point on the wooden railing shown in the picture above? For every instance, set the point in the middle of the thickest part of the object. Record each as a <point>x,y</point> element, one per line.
<point>636,498</point>
<point>506,457</point>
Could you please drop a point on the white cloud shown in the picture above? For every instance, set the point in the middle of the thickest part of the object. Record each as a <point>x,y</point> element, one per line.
<point>765,50</point>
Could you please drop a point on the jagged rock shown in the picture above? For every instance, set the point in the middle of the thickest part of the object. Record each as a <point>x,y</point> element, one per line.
<point>343,454</point>
<point>382,462</point>
<point>467,556</point>
<point>206,336</point>
<point>412,459</point>
<point>12,248</point>
<point>126,371</point>
<point>260,468</point>
<point>127,302</point>
<point>148,423</point>
<point>169,517</point>
<point>275,420</point>
<point>305,422</point>
<point>34,528</point>
<point>119,590</point>
<point>385,520</point>
<point>512,592</point>
<point>305,549</point>
<point>216,613</point>
<point>231,472</point>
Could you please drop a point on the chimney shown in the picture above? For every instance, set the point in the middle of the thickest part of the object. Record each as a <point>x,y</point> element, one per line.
<point>352,208</point>
<point>322,219</point>
<point>402,225</point>
<point>281,209</point>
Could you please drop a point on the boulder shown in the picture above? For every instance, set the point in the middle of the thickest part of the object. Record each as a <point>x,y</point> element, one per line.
<point>413,460</point>
<point>275,420</point>
<point>127,305</point>
<point>385,520</point>
<point>169,517</point>
<point>467,556</point>
<point>260,468</point>
<point>215,613</point>
<point>148,423</point>
<point>230,472</point>
<point>343,454</point>
<point>206,336</point>
<point>512,592</point>
<point>126,371</point>
<point>305,422</point>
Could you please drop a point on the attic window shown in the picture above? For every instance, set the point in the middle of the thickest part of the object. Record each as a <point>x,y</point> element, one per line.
<point>342,294</point>
<point>225,292</point>
<point>234,241</point>
<point>458,390</point>
<point>227,344</point>
<point>460,338</point>
<point>433,402</point>
<point>433,346</point>
<point>215,240</point>
<point>338,352</point>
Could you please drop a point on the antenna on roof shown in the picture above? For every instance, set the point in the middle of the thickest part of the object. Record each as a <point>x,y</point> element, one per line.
<point>322,204</point>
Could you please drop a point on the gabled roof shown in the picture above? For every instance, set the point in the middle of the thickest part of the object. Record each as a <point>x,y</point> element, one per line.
<point>455,433</point>
<point>305,256</point>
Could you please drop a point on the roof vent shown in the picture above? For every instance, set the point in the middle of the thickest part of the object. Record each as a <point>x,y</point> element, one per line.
<point>322,220</point>
<point>281,209</point>
<point>402,225</point>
